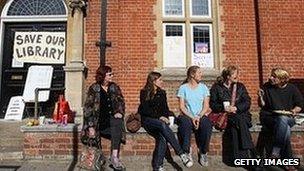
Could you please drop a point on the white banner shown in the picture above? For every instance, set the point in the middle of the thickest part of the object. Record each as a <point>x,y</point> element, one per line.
<point>39,47</point>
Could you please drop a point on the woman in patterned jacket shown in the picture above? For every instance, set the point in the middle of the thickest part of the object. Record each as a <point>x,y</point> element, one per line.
<point>105,104</point>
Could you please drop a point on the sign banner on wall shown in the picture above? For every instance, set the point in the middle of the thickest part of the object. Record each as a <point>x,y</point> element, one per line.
<point>39,47</point>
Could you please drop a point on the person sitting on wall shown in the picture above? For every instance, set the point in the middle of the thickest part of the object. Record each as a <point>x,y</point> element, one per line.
<point>280,101</point>
<point>236,141</point>
<point>105,103</point>
<point>194,104</point>
<point>154,112</point>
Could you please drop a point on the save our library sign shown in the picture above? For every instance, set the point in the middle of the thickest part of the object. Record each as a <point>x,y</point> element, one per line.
<point>39,47</point>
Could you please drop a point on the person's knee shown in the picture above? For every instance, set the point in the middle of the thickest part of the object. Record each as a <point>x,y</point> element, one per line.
<point>183,121</point>
<point>163,126</point>
<point>282,121</point>
<point>205,123</point>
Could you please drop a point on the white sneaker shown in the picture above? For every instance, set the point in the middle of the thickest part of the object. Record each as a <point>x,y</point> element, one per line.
<point>190,157</point>
<point>203,160</point>
<point>186,160</point>
<point>161,168</point>
<point>190,154</point>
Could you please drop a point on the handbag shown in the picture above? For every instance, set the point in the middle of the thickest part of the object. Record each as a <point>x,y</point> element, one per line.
<point>219,120</point>
<point>133,122</point>
<point>91,158</point>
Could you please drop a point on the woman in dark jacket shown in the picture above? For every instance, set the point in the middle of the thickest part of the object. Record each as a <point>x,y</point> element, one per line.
<point>105,104</point>
<point>154,111</point>
<point>236,142</point>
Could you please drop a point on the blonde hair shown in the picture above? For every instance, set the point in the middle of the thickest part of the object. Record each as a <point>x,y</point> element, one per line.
<point>281,74</point>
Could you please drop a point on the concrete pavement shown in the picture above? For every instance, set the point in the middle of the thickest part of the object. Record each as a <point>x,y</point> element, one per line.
<point>137,163</point>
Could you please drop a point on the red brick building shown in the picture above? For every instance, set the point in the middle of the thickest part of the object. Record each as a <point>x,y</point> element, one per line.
<point>163,35</point>
<point>240,32</point>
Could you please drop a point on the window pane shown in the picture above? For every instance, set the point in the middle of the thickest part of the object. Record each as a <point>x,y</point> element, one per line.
<point>200,7</point>
<point>173,7</point>
<point>174,47</point>
<point>202,46</point>
<point>172,30</point>
<point>37,7</point>
<point>201,36</point>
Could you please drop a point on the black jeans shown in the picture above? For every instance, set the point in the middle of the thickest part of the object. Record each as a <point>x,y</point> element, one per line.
<point>163,135</point>
<point>114,132</point>
<point>202,135</point>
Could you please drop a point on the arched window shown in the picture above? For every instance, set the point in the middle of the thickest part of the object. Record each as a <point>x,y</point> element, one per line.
<point>36,7</point>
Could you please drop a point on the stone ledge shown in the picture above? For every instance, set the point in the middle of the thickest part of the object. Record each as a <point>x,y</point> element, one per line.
<point>179,74</point>
<point>51,128</point>
<point>72,127</point>
<point>254,128</point>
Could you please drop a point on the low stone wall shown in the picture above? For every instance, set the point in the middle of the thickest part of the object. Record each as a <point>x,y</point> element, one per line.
<point>58,142</point>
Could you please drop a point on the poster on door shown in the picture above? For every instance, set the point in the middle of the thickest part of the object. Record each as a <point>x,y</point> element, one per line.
<point>39,47</point>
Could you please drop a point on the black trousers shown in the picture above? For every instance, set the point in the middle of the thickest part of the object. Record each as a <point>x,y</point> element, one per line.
<point>114,132</point>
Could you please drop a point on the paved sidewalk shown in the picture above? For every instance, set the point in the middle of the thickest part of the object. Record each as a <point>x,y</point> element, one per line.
<point>138,163</point>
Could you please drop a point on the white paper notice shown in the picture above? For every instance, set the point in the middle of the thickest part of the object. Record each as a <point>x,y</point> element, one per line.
<point>37,77</point>
<point>204,60</point>
<point>174,51</point>
<point>15,109</point>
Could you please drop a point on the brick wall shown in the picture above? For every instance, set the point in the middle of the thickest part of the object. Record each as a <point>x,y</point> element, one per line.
<point>131,29</point>
<point>239,35</point>
<point>44,145</point>
<point>282,26</point>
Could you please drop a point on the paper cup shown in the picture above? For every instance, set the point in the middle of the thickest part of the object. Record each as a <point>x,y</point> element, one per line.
<point>226,104</point>
<point>41,120</point>
<point>171,120</point>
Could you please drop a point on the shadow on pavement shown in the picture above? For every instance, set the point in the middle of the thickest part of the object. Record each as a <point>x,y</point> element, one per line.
<point>8,168</point>
<point>75,148</point>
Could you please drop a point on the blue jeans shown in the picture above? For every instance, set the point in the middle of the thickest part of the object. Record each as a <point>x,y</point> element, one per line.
<point>281,126</point>
<point>163,135</point>
<point>202,135</point>
<point>283,131</point>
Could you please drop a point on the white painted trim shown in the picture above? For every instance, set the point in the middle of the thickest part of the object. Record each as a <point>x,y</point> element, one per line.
<point>8,4</point>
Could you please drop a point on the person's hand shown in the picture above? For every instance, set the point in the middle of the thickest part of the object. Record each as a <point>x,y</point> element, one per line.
<point>118,115</point>
<point>294,112</point>
<point>196,122</point>
<point>164,119</point>
<point>231,109</point>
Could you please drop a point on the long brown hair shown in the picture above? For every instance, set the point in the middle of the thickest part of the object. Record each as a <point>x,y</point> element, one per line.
<point>191,71</point>
<point>149,86</point>
<point>101,73</point>
<point>227,72</point>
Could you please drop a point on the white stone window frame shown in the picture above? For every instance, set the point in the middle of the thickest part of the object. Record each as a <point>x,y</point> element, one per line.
<point>200,16</point>
<point>211,53</point>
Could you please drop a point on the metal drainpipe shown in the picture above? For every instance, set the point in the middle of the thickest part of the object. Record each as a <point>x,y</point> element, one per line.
<point>103,43</point>
<point>258,40</point>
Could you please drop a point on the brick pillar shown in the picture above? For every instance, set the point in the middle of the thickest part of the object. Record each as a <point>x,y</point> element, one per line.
<point>74,80</point>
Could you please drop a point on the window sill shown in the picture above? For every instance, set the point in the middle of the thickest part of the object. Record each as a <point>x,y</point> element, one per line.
<point>179,74</point>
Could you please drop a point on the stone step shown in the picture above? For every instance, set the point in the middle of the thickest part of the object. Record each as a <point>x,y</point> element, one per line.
<point>11,141</point>
<point>11,155</point>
